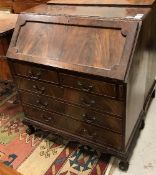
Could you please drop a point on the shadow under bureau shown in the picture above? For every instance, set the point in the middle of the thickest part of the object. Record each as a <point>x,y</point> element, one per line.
<point>87,76</point>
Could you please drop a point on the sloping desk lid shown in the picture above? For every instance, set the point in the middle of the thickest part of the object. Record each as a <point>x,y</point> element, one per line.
<point>88,45</point>
<point>104,2</point>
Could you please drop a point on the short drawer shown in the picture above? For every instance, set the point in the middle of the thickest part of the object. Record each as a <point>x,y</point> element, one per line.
<point>35,72</point>
<point>39,87</point>
<point>89,85</point>
<point>82,114</point>
<point>91,133</point>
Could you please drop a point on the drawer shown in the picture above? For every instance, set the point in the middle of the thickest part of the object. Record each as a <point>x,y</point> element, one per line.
<point>41,102</point>
<point>34,72</point>
<point>39,87</point>
<point>88,85</point>
<point>91,133</point>
<point>82,114</point>
<point>98,103</point>
<point>76,97</point>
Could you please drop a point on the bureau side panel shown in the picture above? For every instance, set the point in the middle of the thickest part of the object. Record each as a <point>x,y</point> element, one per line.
<point>140,79</point>
<point>151,55</point>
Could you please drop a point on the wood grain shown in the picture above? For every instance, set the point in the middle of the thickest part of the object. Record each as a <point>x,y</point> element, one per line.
<point>7,4</point>
<point>105,67</point>
<point>4,170</point>
<point>70,95</point>
<point>92,43</point>
<point>7,23</point>
<point>76,127</point>
<point>99,11</point>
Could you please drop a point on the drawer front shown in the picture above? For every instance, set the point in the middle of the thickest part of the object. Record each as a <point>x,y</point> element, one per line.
<point>75,127</point>
<point>78,113</point>
<point>34,72</point>
<point>89,85</point>
<point>41,102</point>
<point>98,103</point>
<point>82,99</point>
<point>39,87</point>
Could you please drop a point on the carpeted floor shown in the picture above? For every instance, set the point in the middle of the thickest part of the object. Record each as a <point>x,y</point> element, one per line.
<point>33,155</point>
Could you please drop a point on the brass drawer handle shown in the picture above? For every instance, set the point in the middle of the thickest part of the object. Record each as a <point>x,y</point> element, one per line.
<point>85,133</point>
<point>42,104</point>
<point>87,103</point>
<point>84,87</point>
<point>40,90</point>
<point>47,119</point>
<point>89,119</point>
<point>34,75</point>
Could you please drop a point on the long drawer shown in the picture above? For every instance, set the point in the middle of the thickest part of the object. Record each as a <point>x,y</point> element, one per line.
<point>89,85</point>
<point>35,72</point>
<point>73,96</point>
<point>75,127</point>
<point>82,114</point>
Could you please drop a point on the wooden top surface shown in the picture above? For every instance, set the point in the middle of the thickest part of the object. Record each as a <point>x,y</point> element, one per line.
<point>90,11</point>
<point>7,22</point>
<point>104,2</point>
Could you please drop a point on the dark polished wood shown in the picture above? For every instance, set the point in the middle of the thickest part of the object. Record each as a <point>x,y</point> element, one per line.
<point>89,85</point>
<point>75,127</point>
<point>89,77</point>
<point>70,95</point>
<point>80,113</point>
<point>7,24</point>
<point>36,73</point>
<point>92,33</point>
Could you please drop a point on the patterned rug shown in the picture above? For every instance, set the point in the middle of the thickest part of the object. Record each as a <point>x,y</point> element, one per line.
<point>34,155</point>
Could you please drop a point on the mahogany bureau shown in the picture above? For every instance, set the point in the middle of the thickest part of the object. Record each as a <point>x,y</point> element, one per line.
<point>7,24</point>
<point>86,70</point>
